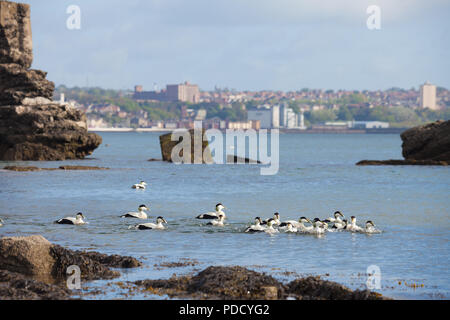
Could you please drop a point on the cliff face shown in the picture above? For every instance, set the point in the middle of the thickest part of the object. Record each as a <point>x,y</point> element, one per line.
<point>428,142</point>
<point>32,126</point>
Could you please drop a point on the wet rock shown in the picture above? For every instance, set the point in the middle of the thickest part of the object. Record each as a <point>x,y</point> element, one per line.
<point>26,255</point>
<point>21,169</point>
<point>427,142</point>
<point>82,168</point>
<point>14,286</point>
<point>196,137</point>
<point>240,283</point>
<point>401,163</point>
<point>314,288</point>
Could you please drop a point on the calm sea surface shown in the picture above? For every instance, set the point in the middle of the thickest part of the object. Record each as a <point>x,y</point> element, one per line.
<point>317,176</point>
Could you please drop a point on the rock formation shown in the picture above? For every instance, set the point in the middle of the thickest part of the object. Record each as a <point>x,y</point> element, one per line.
<point>427,145</point>
<point>428,142</point>
<point>196,137</point>
<point>32,126</point>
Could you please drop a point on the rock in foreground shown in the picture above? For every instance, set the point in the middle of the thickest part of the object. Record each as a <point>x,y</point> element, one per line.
<point>241,283</point>
<point>427,142</point>
<point>401,163</point>
<point>36,256</point>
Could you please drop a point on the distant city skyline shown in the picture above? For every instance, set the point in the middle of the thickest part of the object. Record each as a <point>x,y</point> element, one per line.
<point>244,45</point>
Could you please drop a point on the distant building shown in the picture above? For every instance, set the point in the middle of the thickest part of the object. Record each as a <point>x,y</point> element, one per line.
<point>288,118</point>
<point>428,96</point>
<point>369,124</point>
<point>183,92</point>
<point>268,116</point>
<point>244,125</point>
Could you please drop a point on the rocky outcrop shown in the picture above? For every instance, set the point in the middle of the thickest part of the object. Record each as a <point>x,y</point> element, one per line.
<point>32,168</point>
<point>427,145</point>
<point>32,126</point>
<point>428,142</point>
<point>16,44</point>
<point>26,255</point>
<point>35,256</point>
<point>240,283</point>
<point>203,155</point>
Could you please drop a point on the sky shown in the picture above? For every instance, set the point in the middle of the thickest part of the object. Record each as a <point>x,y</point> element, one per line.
<point>243,44</point>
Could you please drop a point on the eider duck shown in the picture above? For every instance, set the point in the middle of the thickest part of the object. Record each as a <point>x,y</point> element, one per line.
<point>140,185</point>
<point>270,229</point>
<point>353,226</point>
<point>71,220</point>
<point>147,226</point>
<point>138,215</point>
<point>257,227</point>
<point>370,228</point>
<point>217,222</point>
<point>290,228</point>
<point>337,217</point>
<point>275,219</point>
<point>213,215</point>
<point>297,224</point>
<point>317,227</point>
<point>1,222</point>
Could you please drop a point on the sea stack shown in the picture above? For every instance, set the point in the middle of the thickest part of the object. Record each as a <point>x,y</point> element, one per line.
<point>196,138</point>
<point>32,125</point>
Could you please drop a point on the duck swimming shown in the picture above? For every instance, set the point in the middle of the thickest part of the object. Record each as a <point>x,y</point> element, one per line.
<point>275,219</point>
<point>138,215</point>
<point>257,227</point>
<point>290,228</point>
<point>1,222</point>
<point>148,226</point>
<point>317,227</point>
<point>370,228</point>
<point>71,220</point>
<point>217,222</point>
<point>297,224</point>
<point>337,217</point>
<point>213,215</point>
<point>353,226</point>
<point>270,229</point>
<point>140,185</point>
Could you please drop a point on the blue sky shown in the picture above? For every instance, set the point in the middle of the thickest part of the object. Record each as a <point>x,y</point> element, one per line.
<point>243,44</point>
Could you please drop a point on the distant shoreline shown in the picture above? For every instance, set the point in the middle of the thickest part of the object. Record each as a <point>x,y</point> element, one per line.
<point>282,130</point>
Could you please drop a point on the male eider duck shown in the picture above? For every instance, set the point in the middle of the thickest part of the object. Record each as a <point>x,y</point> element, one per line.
<point>297,224</point>
<point>318,227</point>
<point>213,215</point>
<point>370,228</point>
<point>337,217</point>
<point>147,226</point>
<point>353,226</point>
<point>257,227</point>
<point>290,228</point>
<point>270,229</point>
<point>217,222</point>
<point>275,219</point>
<point>140,185</point>
<point>71,220</point>
<point>1,222</point>
<point>139,215</point>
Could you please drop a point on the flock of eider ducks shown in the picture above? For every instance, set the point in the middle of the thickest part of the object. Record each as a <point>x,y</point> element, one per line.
<point>270,225</point>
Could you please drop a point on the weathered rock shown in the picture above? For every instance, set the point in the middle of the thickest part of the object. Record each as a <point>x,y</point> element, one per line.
<point>35,256</point>
<point>32,168</point>
<point>314,288</point>
<point>427,142</point>
<point>202,155</point>
<point>241,283</point>
<point>18,85</point>
<point>16,44</point>
<point>26,255</point>
<point>32,127</point>
<point>401,163</point>
<point>44,132</point>
<point>14,286</point>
